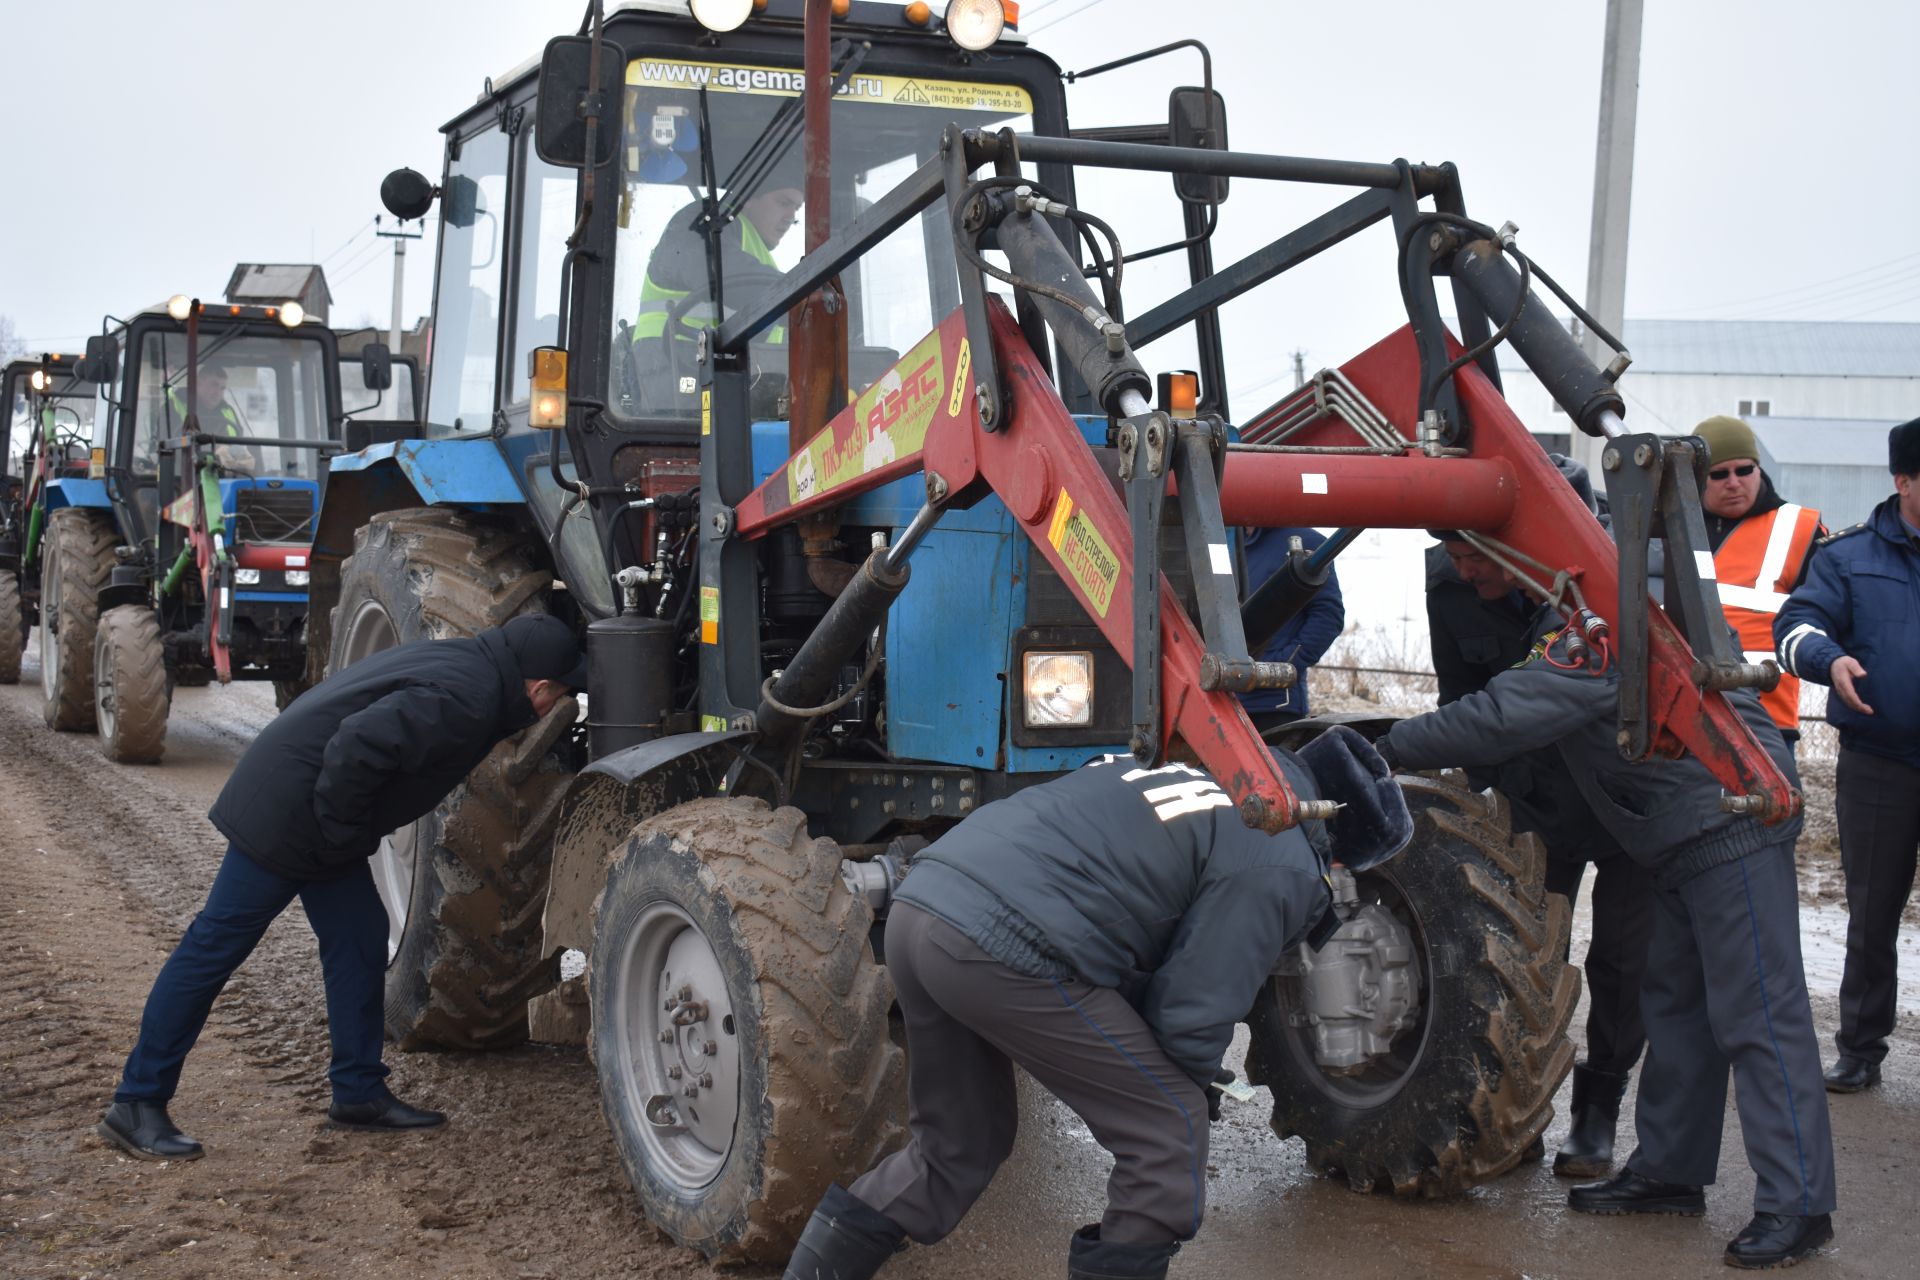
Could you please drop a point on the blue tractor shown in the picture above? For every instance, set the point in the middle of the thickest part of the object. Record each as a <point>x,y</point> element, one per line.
<point>869,526</point>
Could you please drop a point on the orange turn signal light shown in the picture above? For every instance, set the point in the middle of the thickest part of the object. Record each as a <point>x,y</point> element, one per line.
<point>1180,393</point>
<point>549,368</point>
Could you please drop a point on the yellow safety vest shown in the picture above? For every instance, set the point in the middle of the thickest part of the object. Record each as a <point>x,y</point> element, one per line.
<point>227,417</point>
<point>656,299</point>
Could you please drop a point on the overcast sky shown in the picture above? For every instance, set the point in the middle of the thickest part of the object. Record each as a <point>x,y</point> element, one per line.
<point>153,145</point>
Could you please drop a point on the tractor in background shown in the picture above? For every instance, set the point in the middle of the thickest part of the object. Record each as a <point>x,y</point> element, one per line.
<point>181,557</point>
<point>44,445</point>
<point>869,529</point>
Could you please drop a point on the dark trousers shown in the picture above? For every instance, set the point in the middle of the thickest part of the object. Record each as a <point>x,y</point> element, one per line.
<point>1878,803</point>
<point>1724,989</point>
<point>969,1019</point>
<point>351,924</point>
<point>1616,955</point>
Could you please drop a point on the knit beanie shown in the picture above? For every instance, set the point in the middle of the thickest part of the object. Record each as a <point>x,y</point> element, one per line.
<point>545,649</point>
<point>1727,438</point>
<point>1903,448</point>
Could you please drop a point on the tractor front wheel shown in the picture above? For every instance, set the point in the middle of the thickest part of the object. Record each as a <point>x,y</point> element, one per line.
<point>13,627</point>
<point>1466,1082</point>
<point>740,1026</point>
<point>76,563</point>
<point>130,693</point>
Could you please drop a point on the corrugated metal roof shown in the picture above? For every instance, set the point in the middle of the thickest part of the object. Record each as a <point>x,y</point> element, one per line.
<point>276,280</point>
<point>1781,348</point>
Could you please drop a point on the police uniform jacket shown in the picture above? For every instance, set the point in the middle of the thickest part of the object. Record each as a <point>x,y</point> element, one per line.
<point>1308,634</point>
<point>1141,880</point>
<point>1665,813</point>
<point>369,750</point>
<point>1861,599</point>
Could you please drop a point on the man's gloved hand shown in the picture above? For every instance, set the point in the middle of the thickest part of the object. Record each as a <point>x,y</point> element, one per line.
<point>1214,1093</point>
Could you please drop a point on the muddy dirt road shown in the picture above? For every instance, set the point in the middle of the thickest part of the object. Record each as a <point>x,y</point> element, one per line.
<point>101,867</point>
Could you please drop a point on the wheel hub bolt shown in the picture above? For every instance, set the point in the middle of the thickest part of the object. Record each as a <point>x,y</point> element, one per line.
<point>706,1080</point>
<point>710,1048</point>
<point>666,1037</point>
<point>692,1091</point>
<point>673,1073</point>
<point>686,993</point>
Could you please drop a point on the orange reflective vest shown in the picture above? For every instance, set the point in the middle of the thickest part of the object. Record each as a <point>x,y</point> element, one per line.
<point>1757,566</point>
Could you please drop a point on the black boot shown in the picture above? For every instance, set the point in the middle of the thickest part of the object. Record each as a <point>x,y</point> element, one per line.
<point>845,1239</point>
<point>1091,1258</point>
<point>1778,1240</point>
<point>143,1129</point>
<point>385,1112</point>
<point>1628,1192</point>
<point>1588,1150</point>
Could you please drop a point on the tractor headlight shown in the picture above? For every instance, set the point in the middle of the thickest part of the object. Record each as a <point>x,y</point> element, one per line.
<point>292,313</point>
<point>246,577</point>
<point>1058,690</point>
<point>179,306</point>
<point>975,24</point>
<point>40,380</point>
<point>721,15</point>
<point>296,577</point>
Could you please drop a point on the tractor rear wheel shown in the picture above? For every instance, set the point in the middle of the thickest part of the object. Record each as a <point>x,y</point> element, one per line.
<point>464,886</point>
<point>1468,1087</point>
<point>13,627</point>
<point>740,1025</point>
<point>76,563</point>
<point>131,698</point>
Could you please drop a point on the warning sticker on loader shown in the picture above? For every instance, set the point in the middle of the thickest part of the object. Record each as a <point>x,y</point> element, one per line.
<point>709,615</point>
<point>1088,559</point>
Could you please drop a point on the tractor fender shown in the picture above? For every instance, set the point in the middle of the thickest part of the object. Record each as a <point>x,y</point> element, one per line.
<point>602,806</point>
<point>467,473</point>
<point>73,491</point>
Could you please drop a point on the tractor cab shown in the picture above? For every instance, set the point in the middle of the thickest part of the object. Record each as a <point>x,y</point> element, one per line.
<point>44,435</point>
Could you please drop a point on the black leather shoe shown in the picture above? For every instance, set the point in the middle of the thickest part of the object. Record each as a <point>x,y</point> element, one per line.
<point>383,1113</point>
<point>1628,1192</point>
<point>1778,1240</point>
<point>1851,1075</point>
<point>144,1129</point>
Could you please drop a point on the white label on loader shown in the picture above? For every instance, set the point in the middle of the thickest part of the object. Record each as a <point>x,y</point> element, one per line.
<point>1703,562</point>
<point>296,562</point>
<point>1313,482</point>
<point>1222,562</point>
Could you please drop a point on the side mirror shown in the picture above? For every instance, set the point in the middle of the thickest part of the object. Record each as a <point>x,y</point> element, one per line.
<point>460,201</point>
<point>376,366</point>
<point>1197,121</point>
<point>102,361</point>
<point>407,194</point>
<point>560,124</point>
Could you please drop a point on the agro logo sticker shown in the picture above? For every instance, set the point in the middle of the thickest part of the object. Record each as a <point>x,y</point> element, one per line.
<point>1088,559</point>
<point>889,421</point>
<point>709,615</point>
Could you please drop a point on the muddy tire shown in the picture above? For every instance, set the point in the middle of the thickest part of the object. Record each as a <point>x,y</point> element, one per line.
<point>1470,1086</point>
<point>13,627</point>
<point>131,697</point>
<point>733,907</point>
<point>75,564</point>
<point>466,885</point>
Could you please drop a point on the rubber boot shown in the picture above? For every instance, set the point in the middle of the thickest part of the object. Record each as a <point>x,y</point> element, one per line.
<point>1588,1150</point>
<point>845,1239</point>
<point>1091,1258</point>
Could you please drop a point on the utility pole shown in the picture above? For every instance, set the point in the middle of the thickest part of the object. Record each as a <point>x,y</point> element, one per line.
<point>1299,369</point>
<point>399,235</point>
<point>1612,194</point>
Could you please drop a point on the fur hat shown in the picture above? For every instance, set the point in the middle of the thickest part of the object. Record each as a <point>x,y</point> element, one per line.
<point>1903,448</point>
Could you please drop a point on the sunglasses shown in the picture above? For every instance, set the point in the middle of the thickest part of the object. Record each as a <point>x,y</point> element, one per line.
<point>1744,470</point>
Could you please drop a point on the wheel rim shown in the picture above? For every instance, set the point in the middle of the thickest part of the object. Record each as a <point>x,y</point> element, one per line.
<point>663,1051</point>
<point>49,611</point>
<point>105,706</point>
<point>1378,1081</point>
<point>370,630</point>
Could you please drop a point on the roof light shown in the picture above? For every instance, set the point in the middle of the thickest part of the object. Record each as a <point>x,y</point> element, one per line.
<point>291,313</point>
<point>975,24</point>
<point>41,380</point>
<point>179,305</point>
<point>721,15</point>
<point>919,13</point>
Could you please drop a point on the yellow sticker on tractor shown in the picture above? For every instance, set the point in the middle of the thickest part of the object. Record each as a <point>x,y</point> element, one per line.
<point>786,82</point>
<point>709,615</point>
<point>706,411</point>
<point>963,366</point>
<point>1088,559</point>
<point>890,421</point>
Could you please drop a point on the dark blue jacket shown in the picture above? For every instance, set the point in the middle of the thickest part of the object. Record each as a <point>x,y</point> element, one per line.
<point>1144,881</point>
<point>1308,634</point>
<point>1861,599</point>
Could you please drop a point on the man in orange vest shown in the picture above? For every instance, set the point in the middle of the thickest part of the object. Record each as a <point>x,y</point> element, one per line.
<point>1760,544</point>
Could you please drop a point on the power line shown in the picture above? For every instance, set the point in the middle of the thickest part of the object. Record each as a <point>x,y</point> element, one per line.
<point>1071,13</point>
<point>1782,293</point>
